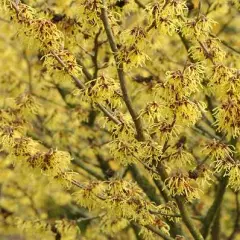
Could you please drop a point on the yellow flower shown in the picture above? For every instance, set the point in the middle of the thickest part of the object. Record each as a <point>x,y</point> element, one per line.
<point>165,129</point>
<point>234,176</point>
<point>47,34</point>
<point>218,150</point>
<point>224,81</point>
<point>154,112</point>
<point>149,152</point>
<point>180,184</point>
<point>223,164</point>
<point>131,56</point>
<point>188,112</point>
<point>68,229</point>
<point>168,209</point>
<point>166,15</point>
<point>27,103</point>
<point>88,196</point>
<point>180,158</point>
<point>123,150</point>
<point>64,64</point>
<point>25,12</point>
<point>183,83</point>
<point>104,90</point>
<point>228,116</point>
<point>208,49</point>
<point>198,27</point>
<point>52,163</point>
<point>44,31</point>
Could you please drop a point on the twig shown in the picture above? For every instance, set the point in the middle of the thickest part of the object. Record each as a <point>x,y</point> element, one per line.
<point>85,70</point>
<point>187,219</point>
<point>237,220</point>
<point>140,5</point>
<point>183,210</point>
<point>95,56</point>
<point>29,67</point>
<point>209,218</point>
<point>226,44</point>
<point>145,185</point>
<point>80,85</point>
<point>156,231</point>
<point>159,233</point>
<point>90,218</point>
<point>121,75</point>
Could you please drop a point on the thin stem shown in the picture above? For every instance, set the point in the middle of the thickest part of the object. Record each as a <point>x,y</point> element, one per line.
<point>90,217</point>
<point>29,67</point>
<point>156,231</point>
<point>159,233</point>
<point>211,214</point>
<point>237,220</point>
<point>227,45</point>
<point>140,5</point>
<point>85,70</point>
<point>216,228</point>
<point>95,56</point>
<point>121,75</point>
<point>145,185</point>
<point>187,219</point>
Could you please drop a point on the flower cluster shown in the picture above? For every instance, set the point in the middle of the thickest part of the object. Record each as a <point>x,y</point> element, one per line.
<point>233,172</point>
<point>176,92</point>
<point>68,230</point>
<point>227,116</point>
<point>224,161</point>
<point>183,83</point>
<point>166,15</point>
<point>225,80</point>
<point>103,90</point>
<point>62,65</point>
<point>209,49</point>
<point>46,37</point>
<point>123,200</point>
<point>218,150</point>
<point>180,184</point>
<point>198,27</point>
<point>149,68</point>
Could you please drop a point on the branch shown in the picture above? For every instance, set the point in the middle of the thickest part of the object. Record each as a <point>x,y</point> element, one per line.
<point>140,135</point>
<point>95,56</point>
<point>187,219</point>
<point>237,220</point>
<point>140,5</point>
<point>156,231</point>
<point>105,167</point>
<point>230,47</point>
<point>121,75</point>
<point>145,185</point>
<point>216,228</point>
<point>85,70</point>
<point>81,85</point>
<point>211,214</point>
<point>159,233</point>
